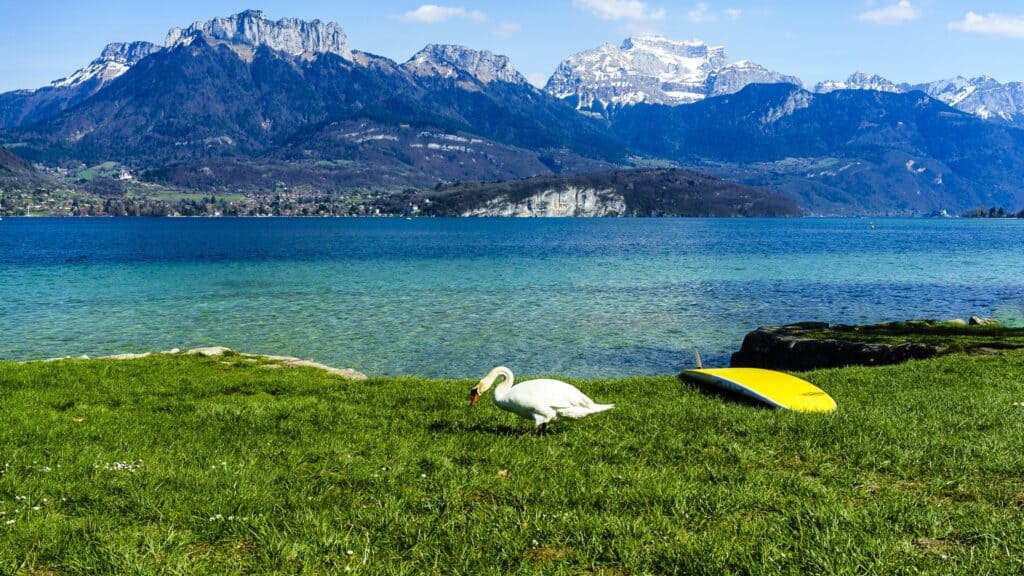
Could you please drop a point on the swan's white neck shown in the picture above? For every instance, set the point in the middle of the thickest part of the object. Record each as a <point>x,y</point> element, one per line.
<point>505,386</point>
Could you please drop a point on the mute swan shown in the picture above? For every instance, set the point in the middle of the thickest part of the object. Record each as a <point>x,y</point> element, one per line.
<point>542,401</point>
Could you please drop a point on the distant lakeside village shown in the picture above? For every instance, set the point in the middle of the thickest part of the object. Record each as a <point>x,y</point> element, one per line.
<point>77,203</point>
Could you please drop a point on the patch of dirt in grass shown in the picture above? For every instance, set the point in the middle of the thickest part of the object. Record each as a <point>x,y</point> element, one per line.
<point>1018,500</point>
<point>200,551</point>
<point>545,554</point>
<point>932,545</point>
<point>870,487</point>
<point>482,496</point>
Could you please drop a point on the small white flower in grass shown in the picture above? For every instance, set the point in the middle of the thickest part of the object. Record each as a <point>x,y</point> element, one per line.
<point>9,522</point>
<point>37,508</point>
<point>423,475</point>
<point>349,552</point>
<point>129,467</point>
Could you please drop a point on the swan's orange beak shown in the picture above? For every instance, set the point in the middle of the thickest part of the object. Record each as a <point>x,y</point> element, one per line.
<point>474,395</point>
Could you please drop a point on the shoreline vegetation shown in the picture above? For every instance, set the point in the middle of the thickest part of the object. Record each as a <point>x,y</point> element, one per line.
<point>638,192</point>
<point>213,463</point>
<point>405,205</point>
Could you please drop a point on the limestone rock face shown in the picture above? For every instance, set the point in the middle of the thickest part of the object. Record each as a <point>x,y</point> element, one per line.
<point>252,28</point>
<point>114,61</point>
<point>555,203</point>
<point>128,53</point>
<point>447,61</point>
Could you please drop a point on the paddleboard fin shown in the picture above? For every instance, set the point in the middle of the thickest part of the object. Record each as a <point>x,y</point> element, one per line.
<point>696,359</point>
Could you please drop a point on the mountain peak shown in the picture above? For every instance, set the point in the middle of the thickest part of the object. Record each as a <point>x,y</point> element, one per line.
<point>128,53</point>
<point>859,80</point>
<point>656,70</point>
<point>447,60</point>
<point>252,28</point>
<point>114,61</point>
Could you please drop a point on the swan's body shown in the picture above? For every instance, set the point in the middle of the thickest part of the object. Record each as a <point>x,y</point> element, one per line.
<point>542,400</point>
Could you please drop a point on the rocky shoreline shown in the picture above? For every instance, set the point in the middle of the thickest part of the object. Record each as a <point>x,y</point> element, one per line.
<point>788,348</point>
<point>265,361</point>
<point>815,345</point>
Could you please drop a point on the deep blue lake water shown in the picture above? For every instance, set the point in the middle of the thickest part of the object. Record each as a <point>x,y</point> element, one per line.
<point>455,297</point>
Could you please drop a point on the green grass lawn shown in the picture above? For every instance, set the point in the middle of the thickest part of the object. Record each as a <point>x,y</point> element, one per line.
<point>175,464</point>
<point>106,169</point>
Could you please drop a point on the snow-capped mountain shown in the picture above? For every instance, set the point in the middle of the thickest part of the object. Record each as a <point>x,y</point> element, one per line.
<point>114,61</point>
<point>252,28</point>
<point>654,70</point>
<point>858,81</point>
<point>447,61</point>
<point>983,96</point>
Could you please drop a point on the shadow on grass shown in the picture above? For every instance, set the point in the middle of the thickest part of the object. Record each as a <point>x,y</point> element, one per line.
<point>722,394</point>
<point>447,427</point>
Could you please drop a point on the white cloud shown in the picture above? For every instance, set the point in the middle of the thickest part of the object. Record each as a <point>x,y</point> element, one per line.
<point>507,29</point>
<point>991,24</point>
<point>892,15</point>
<point>432,14</point>
<point>634,10</point>
<point>701,13</point>
<point>704,12</point>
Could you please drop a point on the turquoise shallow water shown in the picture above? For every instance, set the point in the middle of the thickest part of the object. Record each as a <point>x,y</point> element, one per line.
<point>455,297</point>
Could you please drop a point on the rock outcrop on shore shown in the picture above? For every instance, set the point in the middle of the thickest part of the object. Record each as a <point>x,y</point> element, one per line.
<point>790,347</point>
<point>265,360</point>
<point>813,345</point>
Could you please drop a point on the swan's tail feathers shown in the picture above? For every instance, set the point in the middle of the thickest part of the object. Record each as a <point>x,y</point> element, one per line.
<point>576,412</point>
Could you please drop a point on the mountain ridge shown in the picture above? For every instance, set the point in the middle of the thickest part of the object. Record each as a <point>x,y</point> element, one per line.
<point>247,104</point>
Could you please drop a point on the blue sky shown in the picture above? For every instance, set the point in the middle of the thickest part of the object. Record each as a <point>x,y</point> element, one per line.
<point>904,40</point>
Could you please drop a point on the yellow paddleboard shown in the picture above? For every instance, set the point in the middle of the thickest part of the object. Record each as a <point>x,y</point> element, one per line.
<point>771,387</point>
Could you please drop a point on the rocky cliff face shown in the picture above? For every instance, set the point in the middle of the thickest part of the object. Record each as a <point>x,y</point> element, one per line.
<point>114,61</point>
<point>555,203</point>
<point>735,77</point>
<point>252,28</point>
<point>449,61</point>
<point>128,53</point>
<point>653,70</point>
